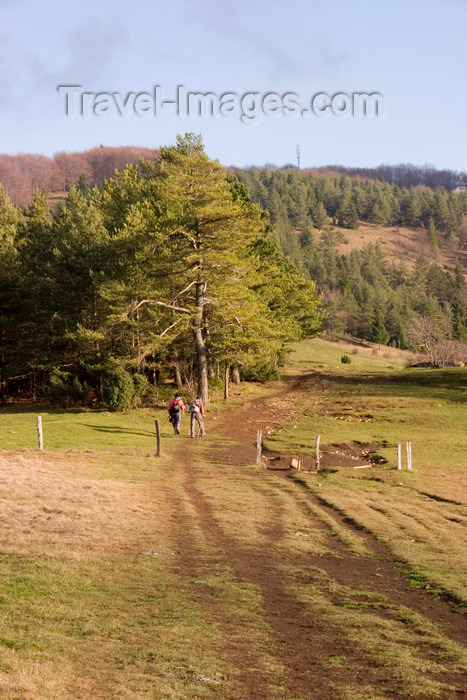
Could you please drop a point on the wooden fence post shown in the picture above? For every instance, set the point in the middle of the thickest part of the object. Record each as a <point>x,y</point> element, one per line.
<point>158,436</point>
<point>399,456</point>
<point>317,451</point>
<point>39,432</point>
<point>409,456</point>
<point>258,447</point>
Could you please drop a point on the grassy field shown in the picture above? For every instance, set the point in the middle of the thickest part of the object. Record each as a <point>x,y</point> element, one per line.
<point>65,429</point>
<point>189,576</point>
<point>153,580</point>
<point>92,605</point>
<point>376,398</point>
<point>422,513</point>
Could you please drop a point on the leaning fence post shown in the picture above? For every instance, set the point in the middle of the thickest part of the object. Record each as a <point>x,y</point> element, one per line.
<point>258,447</point>
<point>317,451</point>
<point>39,432</point>
<point>399,456</point>
<point>158,436</point>
<point>409,456</point>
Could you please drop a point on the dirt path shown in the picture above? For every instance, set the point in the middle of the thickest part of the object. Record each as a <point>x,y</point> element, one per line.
<point>301,642</point>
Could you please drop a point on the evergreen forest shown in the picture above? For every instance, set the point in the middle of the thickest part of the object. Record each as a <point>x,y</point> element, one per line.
<point>168,270</point>
<point>420,306</point>
<point>176,268</point>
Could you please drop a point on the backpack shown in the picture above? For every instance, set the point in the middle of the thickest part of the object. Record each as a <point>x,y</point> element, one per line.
<point>176,407</point>
<point>194,408</point>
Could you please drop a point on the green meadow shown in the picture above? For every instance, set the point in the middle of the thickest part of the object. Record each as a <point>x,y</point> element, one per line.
<point>377,398</point>
<point>127,576</point>
<point>421,514</point>
<point>65,429</point>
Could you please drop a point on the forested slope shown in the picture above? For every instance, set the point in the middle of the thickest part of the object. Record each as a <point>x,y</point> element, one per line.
<point>409,303</point>
<point>178,267</point>
<point>166,270</point>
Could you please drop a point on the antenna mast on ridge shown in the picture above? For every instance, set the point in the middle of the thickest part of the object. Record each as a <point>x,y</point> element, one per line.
<point>299,153</point>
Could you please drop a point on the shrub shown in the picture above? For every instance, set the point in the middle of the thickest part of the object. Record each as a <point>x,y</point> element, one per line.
<point>141,386</point>
<point>145,392</point>
<point>57,388</point>
<point>261,371</point>
<point>81,391</point>
<point>345,359</point>
<point>118,389</point>
<point>62,389</point>
<point>449,353</point>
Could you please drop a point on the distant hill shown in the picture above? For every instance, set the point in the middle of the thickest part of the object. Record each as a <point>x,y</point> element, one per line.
<point>389,261</point>
<point>403,175</point>
<point>406,222</point>
<point>22,174</point>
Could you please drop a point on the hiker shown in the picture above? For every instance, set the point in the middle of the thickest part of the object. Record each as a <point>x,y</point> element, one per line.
<point>196,414</point>
<point>175,413</point>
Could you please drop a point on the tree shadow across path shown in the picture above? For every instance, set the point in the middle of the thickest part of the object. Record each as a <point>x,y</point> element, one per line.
<point>303,641</point>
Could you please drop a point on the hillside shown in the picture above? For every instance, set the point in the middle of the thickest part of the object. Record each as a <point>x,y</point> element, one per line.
<point>22,174</point>
<point>390,262</point>
<point>369,259</point>
<point>404,243</point>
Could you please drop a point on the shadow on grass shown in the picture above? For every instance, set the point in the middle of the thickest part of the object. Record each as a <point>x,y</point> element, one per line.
<point>119,429</point>
<point>45,409</point>
<point>447,384</point>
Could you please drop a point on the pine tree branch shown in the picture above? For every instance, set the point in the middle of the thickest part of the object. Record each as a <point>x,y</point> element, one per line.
<point>136,306</point>
<point>184,290</point>
<point>169,328</point>
<point>181,309</point>
<point>185,234</point>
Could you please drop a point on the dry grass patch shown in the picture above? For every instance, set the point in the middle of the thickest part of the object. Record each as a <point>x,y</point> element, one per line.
<point>51,509</point>
<point>89,589</point>
<point>402,243</point>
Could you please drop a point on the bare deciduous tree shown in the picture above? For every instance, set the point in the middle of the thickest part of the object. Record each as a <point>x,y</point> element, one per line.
<point>15,181</point>
<point>423,334</point>
<point>449,353</point>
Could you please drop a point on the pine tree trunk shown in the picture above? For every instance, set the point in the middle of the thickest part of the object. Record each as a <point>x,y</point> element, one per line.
<point>154,376</point>
<point>226,381</point>
<point>177,377</point>
<point>200,345</point>
<point>2,382</point>
<point>235,374</point>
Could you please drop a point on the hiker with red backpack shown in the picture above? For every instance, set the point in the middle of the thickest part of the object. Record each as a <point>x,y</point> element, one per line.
<point>175,413</point>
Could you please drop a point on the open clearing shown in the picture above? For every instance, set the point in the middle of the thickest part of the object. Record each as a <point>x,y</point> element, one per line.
<point>403,243</point>
<point>203,575</point>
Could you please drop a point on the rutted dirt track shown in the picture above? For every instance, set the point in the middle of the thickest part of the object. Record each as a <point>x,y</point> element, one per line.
<point>301,642</point>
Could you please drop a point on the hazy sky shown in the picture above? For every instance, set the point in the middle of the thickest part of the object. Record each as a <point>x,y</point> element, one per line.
<point>412,52</point>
